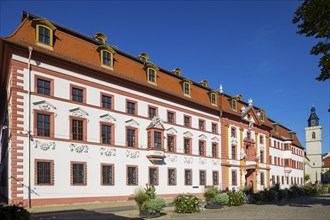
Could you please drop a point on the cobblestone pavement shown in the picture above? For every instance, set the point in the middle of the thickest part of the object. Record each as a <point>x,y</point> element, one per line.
<point>314,208</point>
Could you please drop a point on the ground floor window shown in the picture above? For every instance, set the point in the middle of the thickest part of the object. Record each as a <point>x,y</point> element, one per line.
<point>132,172</point>
<point>153,176</point>
<point>44,172</point>
<point>215,178</point>
<point>107,174</point>
<point>202,177</point>
<point>188,177</point>
<point>78,172</point>
<point>171,176</point>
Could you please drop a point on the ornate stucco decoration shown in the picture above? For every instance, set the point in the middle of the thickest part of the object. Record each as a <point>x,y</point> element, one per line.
<point>202,137</point>
<point>79,148</point>
<point>188,134</point>
<point>157,123</point>
<point>258,155</point>
<point>108,118</point>
<point>262,147</point>
<point>202,161</point>
<point>250,125</point>
<point>132,154</point>
<point>78,112</point>
<point>244,172</point>
<point>188,160</point>
<point>108,152</point>
<point>234,140</point>
<point>44,145</point>
<point>171,158</point>
<point>172,131</point>
<point>215,139</point>
<point>132,123</point>
<point>44,105</point>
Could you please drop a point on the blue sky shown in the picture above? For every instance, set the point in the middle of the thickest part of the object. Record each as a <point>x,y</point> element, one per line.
<point>250,47</point>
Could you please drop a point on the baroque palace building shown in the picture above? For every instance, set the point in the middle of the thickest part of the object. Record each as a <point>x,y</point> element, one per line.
<point>82,121</point>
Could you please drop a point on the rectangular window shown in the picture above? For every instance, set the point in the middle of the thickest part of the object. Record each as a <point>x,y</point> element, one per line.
<point>234,178</point>
<point>214,150</point>
<point>157,139</point>
<point>149,139</point>
<point>170,143</point>
<point>248,135</point>
<point>286,146</point>
<point>201,124</point>
<point>77,130</point>
<point>261,157</point>
<point>43,125</point>
<point>131,137</point>
<point>233,132</point>
<point>233,152</point>
<point>44,35</point>
<point>262,179</point>
<point>44,173</point>
<point>171,177</point>
<point>202,177</point>
<point>215,178</point>
<point>188,177</point>
<point>213,99</point>
<point>106,102</point>
<point>77,95</point>
<point>132,176</point>
<point>270,159</point>
<point>273,179</point>
<point>170,117</point>
<point>131,108</point>
<point>233,104</point>
<point>107,174</point>
<point>187,121</point>
<point>286,162</point>
<point>43,86</point>
<point>106,134</point>
<point>152,112</point>
<point>78,174</point>
<point>214,128</point>
<point>278,179</point>
<point>282,180</point>
<point>153,176</point>
<point>201,148</point>
<point>261,139</point>
<point>187,146</point>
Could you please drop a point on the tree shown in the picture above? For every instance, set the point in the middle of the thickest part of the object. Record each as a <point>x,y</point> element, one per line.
<point>313,19</point>
<point>307,178</point>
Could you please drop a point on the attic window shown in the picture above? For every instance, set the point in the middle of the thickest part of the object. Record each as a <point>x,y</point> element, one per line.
<point>261,115</point>
<point>186,87</point>
<point>213,97</point>
<point>44,31</point>
<point>233,104</point>
<point>151,70</point>
<point>275,127</point>
<point>106,55</point>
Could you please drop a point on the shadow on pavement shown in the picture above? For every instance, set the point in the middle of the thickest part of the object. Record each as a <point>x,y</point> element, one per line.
<point>78,214</point>
<point>304,201</point>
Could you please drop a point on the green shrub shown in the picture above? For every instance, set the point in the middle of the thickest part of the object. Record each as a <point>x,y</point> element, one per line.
<point>186,204</point>
<point>210,193</point>
<point>141,197</point>
<point>150,191</point>
<point>155,205</point>
<point>283,194</point>
<point>13,212</point>
<point>258,197</point>
<point>275,187</point>
<point>236,198</point>
<point>221,199</point>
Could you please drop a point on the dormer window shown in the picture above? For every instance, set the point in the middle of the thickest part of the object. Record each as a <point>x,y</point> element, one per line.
<point>213,97</point>
<point>233,104</point>
<point>261,115</point>
<point>106,55</point>
<point>44,31</point>
<point>186,87</point>
<point>275,127</point>
<point>151,73</point>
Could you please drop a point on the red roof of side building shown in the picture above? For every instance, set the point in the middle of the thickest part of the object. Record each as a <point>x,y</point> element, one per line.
<point>326,162</point>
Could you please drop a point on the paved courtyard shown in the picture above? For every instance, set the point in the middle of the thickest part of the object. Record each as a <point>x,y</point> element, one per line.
<point>302,208</point>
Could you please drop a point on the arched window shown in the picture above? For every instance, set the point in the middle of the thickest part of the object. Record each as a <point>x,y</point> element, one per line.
<point>152,71</point>
<point>313,135</point>
<point>106,55</point>
<point>44,31</point>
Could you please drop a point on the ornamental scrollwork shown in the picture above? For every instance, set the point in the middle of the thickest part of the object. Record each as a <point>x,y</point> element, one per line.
<point>79,148</point>
<point>132,154</point>
<point>172,159</point>
<point>202,161</point>
<point>243,154</point>
<point>215,162</point>
<point>44,146</point>
<point>188,160</point>
<point>107,152</point>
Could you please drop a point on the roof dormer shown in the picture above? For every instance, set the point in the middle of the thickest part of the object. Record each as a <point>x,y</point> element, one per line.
<point>177,71</point>
<point>186,87</point>
<point>106,55</point>
<point>144,57</point>
<point>100,37</point>
<point>213,94</point>
<point>151,71</point>
<point>44,31</point>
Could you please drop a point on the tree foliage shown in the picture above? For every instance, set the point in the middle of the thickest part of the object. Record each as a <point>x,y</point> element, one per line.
<point>313,19</point>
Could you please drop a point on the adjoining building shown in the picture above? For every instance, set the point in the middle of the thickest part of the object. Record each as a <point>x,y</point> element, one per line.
<point>82,121</point>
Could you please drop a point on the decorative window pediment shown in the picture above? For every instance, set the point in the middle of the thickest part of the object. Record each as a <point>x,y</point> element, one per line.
<point>78,112</point>
<point>215,139</point>
<point>261,114</point>
<point>44,105</point>
<point>144,57</point>
<point>156,123</point>
<point>132,123</point>
<point>108,118</point>
<point>44,31</point>
<point>187,134</point>
<point>172,131</point>
<point>177,71</point>
<point>202,137</point>
<point>100,37</point>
